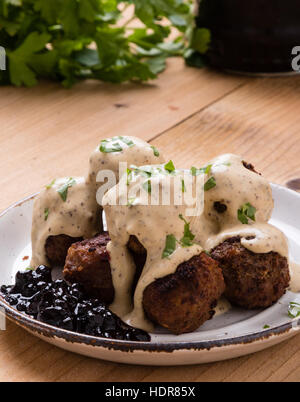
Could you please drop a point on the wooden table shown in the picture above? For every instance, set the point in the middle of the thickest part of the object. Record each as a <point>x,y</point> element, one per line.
<point>192,115</point>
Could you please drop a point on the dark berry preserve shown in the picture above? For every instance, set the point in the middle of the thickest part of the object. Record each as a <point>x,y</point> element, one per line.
<point>66,306</point>
<point>254,36</point>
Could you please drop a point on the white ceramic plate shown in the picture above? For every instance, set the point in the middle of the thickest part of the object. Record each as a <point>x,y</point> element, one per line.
<point>235,333</point>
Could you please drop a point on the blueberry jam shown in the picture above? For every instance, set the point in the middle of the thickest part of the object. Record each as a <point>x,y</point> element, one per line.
<point>66,306</point>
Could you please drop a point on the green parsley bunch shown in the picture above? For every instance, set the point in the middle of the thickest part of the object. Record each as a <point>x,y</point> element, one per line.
<point>72,40</point>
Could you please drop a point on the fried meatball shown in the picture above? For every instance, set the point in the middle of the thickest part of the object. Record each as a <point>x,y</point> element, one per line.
<point>57,248</point>
<point>252,280</point>
<point>87,263</point>
<point>183,301</point>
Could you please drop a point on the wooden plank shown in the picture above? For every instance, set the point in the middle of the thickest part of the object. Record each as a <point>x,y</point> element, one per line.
<point>259,120</point>
<point>49,132</point>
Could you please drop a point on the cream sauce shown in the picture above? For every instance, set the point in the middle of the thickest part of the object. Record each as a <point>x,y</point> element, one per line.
<point>236,186</point>
<point>138,152</point>
<point>75,217</point>
<point>80,215</point>
<point>150,224</point>
<point>222,307</point>
<point>127,214</point>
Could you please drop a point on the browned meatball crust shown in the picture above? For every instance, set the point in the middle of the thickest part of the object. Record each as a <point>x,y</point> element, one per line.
<point>87,263</point>
<point>183,301</point>
<point>252,280</point>
<point>56,248</point>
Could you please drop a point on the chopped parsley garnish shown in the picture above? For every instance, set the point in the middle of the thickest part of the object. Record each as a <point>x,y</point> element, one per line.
<point>183,189</point>
<point>294,310</point>
<point>266,326</point>
<point>195,171</point>
<point>129,176</point>
<point>114,145</point>
<point>63,190</point>
<point>29,269</point>
<point>211,183</point>
<point>46,213</point>
<point>169,166</point>
<point>51,184</point>
<point>147,186</point>
<point>188,236</point>
<point>106,148</point>
<point>126,141</point>
<point>170,246</point>
<point>131,201</point>
<point>155,151</point>
<point>143,172</point>
<point>246,211</point>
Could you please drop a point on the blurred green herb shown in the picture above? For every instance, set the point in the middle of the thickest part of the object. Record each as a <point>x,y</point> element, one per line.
<point>294,310</point>
<point>63,190</point>
<point>246,211</point>
<point>46,213</point>
<point>169,166</point>
<point>211,183</point>
<point>188,236</point>
<point>50,185</point>
<point>155,151</point>
<point>73,40</point>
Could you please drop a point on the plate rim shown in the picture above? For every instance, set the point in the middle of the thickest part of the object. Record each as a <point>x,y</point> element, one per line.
<point>49,331</point>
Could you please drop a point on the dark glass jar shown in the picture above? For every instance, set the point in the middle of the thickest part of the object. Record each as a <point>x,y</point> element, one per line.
<point>255,36</point>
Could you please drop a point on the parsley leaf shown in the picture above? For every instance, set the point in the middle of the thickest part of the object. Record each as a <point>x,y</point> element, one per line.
<point>155,151</point>
<point>147,186</point>
<point>183,188</point>
<point>51,184</point>
<point>188,236</point>
<point>131,201</point>
<point>205,170</point>
<point>63,190</point>
<point>21,66</point>
<point>246,211</point>
<point>294,310</point>
<point>114,147</point>
<point>127,141</point>
<point>73,40</point>
<point>211,183</point>
<point>170,246</point>
<point>169,166</point>
<point>46,213</point>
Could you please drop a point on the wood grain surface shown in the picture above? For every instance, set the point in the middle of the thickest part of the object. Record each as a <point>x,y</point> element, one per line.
<point>192,115</point>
